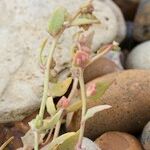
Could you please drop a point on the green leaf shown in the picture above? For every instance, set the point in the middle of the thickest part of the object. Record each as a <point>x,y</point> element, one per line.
<point>60,88</point>
<point>100,90</point>
<point>69,143</point>
<point>50,123</point>
<point>84,21</point>
<point>92,111</point>
<point>59,140</point>
<point>57,20</point>
<point>51,109</point>
<point>74,107</point>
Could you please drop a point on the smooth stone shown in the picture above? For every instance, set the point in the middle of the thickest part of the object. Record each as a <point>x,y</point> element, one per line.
<point>122,29</point>
<point>89,144</point>
<point>21,31</point>
<point>128,92</point>
<point>100,67</point>
<point>139,57</point>
<point>142,22</point>
<point>118,141</point>
<point>145,138</point>
<point>116,57</point>
<point>128,7</point>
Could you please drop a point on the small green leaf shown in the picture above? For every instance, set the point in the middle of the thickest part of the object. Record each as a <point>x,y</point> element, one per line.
<point>74,107</point>
<point>100,90</point>
<point>51,109</point>
<point>57,20</point>
<point>59,140</point>
<point>69,143</point>
<point>92,111</point>
<point>50,123</point>
<point>60,88</point>
<point>84,21</point>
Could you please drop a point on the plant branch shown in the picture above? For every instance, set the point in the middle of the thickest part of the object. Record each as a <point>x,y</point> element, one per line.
<point>105,51</point>
<point>6,143</point>
<point>36,141</point>
<point>84,103</point>
<point>46,78</point>
<point>57,129</point>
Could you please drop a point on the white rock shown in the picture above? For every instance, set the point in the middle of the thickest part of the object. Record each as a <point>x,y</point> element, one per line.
<point>115,57</point>
<point>139,58</point>
<point>89,145</point>
<point>121,29</point>
<point>145,138</point>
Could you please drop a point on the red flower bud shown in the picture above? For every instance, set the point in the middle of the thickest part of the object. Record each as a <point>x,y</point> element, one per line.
<point>81,59</point>
<point>63,102</point>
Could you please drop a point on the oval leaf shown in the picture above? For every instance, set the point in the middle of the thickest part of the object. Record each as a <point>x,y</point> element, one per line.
<point>59,140</point>
<point>69,143</point>
<point>60,88</point>
<point>50,106</point>
<point>100,90</point>
<point>92,111</point>
<point>57,20</point>
<point>74,107</point>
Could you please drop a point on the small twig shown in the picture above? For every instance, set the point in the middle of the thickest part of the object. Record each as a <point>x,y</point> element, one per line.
<point>6,143</point>
<point>46,78</point>
<point>105,51</point>
<point>48,138</point>
<point>84,103</point>
<point>36,141</point>
<point>73,91</point>
<point>74,88</point>
<point>57,129</point>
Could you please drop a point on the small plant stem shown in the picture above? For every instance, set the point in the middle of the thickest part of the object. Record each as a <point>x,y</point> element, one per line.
<point>36,141</point>
<point>73,91</point>
<point>57,129</point>
<point>84,103</point>
<point>106,50</point>
<point>6,143</point>
<point>48,138</point>
<point>46,78</point>
<point>74,88</point>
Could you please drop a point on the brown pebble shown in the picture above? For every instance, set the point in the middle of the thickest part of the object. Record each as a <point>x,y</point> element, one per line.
<point>118,141</point>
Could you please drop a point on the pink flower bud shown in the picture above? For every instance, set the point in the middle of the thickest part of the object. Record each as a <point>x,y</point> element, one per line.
<point>81,59</point>
<point>63,102</point>
<point>91,89</point>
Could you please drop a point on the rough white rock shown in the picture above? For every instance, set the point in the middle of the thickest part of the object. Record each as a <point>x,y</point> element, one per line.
<point>139,58</point>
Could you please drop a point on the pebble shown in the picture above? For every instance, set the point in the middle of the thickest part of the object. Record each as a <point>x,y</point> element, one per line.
<point>145,138</point>
<point>118,141</point>
<point>139,57</point>
<point>128,92</point>
<point>142,22</point>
